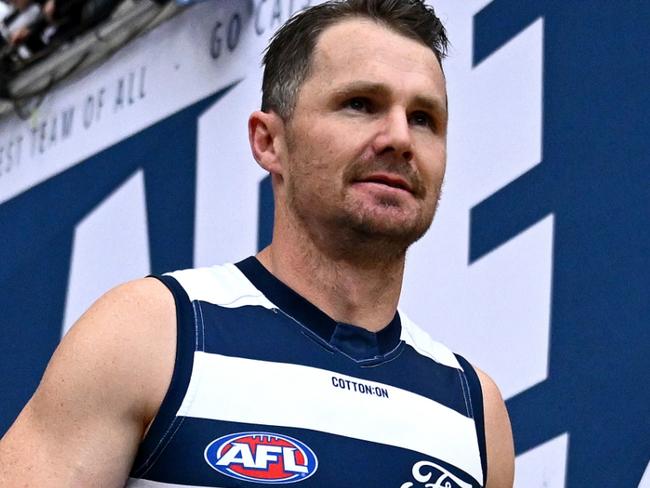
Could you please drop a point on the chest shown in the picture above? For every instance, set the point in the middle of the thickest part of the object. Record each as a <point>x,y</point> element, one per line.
<point>268,403</point>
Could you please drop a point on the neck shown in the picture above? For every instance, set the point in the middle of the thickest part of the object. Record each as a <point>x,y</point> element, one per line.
<point>353,290</point>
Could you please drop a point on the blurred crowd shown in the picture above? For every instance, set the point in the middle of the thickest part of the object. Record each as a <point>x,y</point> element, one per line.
<point>29,29</point>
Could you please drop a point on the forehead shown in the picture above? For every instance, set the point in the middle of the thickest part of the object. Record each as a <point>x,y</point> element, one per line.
<point>362,49</point>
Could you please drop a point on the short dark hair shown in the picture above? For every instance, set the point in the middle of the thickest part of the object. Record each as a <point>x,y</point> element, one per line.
<point>287,59</point>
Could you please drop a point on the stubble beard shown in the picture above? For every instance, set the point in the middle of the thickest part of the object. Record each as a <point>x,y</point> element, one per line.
<point>353,232</point>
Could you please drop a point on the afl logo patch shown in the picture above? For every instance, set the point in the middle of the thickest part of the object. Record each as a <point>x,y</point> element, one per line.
<point>262,457</point>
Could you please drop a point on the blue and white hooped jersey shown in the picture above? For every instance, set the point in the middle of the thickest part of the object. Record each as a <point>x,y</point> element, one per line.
<point>267,389</point>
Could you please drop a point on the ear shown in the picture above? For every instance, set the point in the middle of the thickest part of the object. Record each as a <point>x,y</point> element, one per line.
<point>266,137</point>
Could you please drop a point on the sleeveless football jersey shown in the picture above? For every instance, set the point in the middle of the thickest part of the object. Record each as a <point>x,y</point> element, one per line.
<point>268,389</point>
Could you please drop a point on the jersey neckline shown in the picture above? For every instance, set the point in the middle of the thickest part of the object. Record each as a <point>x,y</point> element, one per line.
<point>353,341</point>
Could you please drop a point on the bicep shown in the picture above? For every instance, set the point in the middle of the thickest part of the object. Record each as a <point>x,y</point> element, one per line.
<point>50,450</point>
<point>83,425</point>
<point>498,435</point>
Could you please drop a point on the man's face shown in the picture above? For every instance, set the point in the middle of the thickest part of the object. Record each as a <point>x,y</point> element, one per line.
<point>367,140</point>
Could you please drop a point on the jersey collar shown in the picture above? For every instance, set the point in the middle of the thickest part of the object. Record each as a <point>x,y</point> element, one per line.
<point>354,341</point>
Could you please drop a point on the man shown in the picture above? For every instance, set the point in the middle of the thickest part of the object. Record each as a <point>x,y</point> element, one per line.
<point>294,366</point>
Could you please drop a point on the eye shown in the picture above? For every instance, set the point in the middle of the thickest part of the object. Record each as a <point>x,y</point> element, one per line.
<point>422,119</point>
<point>359,104</point>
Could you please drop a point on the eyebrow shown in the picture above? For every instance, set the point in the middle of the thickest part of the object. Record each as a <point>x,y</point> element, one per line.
<point>432,104</point>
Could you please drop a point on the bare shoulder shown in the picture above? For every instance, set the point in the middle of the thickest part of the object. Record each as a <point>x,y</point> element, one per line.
<point>124,340</point>
<point>103,384</point>
<point>498,435</point>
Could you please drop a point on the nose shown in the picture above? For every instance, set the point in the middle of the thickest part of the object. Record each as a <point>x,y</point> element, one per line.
<point>395,136</point>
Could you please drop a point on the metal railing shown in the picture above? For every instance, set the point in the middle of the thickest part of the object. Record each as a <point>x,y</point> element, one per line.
<point>25,90</point>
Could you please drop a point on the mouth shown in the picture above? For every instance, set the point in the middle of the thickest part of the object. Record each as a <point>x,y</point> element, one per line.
<point>386,179</point>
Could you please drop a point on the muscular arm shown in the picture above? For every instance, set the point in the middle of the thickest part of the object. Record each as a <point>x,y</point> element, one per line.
<point>103,385</point>
<point>498,436</point>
